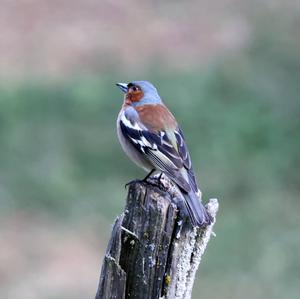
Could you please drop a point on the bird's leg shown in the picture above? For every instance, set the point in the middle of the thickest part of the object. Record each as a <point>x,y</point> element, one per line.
<point>159,177</point>
<point>156,181</point>
<point>159,182</point>
<point>144,180</point>
<point>148,175</point>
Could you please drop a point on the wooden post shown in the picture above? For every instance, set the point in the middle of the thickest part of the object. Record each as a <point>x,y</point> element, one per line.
<point>153,251</point>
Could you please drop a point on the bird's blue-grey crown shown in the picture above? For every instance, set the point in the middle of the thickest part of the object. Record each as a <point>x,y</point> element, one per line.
<point>151,95</point>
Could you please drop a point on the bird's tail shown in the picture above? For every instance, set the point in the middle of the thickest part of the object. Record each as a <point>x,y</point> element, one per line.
<point>196,210</point>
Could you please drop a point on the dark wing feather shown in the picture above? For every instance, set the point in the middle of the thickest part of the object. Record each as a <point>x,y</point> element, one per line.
<point>184,154</point>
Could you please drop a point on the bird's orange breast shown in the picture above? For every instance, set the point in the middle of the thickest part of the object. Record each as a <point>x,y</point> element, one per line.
<point>156,117</point>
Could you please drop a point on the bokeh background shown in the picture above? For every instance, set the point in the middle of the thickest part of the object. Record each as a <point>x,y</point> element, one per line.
<point>230,72</point>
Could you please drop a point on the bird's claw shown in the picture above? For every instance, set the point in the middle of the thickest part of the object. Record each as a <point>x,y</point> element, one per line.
<point>156,182</point>
<point>133,182</point>
<point>153,181</point>
<point>147,180</point>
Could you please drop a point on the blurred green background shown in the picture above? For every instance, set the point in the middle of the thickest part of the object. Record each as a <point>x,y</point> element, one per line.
<point>230,72</point>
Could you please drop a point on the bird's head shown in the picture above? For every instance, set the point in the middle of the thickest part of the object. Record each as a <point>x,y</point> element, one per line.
<point>139,93</point>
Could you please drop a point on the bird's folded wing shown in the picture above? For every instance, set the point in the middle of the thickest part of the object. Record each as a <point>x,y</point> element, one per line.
<point>170,156</point>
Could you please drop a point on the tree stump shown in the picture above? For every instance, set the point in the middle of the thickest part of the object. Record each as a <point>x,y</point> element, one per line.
<point>154,252</point>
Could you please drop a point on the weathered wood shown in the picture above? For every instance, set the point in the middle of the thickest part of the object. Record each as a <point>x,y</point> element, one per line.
<point>153,252</point>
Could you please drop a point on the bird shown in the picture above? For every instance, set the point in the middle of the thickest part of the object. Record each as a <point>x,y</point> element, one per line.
<point>151,137</point>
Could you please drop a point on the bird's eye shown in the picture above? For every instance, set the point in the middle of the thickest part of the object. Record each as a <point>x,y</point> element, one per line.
<point>134,88</point>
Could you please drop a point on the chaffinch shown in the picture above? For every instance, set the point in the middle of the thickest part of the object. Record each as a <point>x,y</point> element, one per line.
<point>151,137</point>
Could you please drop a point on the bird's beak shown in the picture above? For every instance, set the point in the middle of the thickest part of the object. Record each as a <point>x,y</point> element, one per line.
<point>123,86</point>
